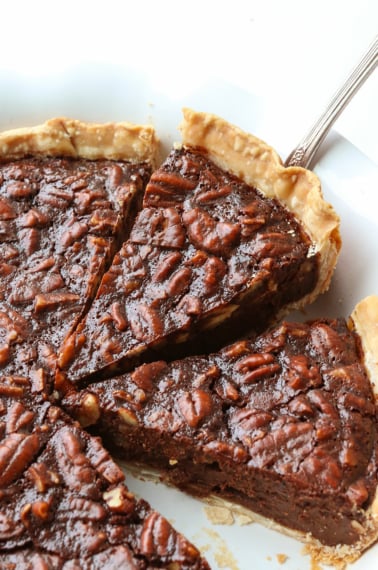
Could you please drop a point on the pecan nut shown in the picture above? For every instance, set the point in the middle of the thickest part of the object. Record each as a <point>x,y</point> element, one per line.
<point>19,190</point>
<point>166,266</point>
<point>16,452</point>
<point>162,227</point>
<point>146,323</point>
<point>206,233</point>
<point>167,189</point>
<point>145,376</point>
<point>7,211</point>
<point>119,500</point>
<point>157,536</point>
<point>49,301</point>
<point>254,367</point>
<point>179,282</point>
<point>195,407</point>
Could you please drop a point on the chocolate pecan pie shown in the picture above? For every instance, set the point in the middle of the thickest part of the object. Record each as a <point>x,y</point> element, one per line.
<point>227,239</point>
<point>283,423</point>
<point>66,199</point>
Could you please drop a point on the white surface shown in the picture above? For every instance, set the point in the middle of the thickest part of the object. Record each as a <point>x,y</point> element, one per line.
<point>291,54</point>
<point>269,67</point>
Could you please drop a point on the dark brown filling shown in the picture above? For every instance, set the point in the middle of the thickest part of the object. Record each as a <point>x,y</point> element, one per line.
<point>206,252</point>
<point>284,424</point>
<point>63,499</point>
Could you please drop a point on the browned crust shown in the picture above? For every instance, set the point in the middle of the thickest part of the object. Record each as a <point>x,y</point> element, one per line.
<point>338,556</point>
<point>259,165</point>
<point>365,321</point>
<point>73,138</point>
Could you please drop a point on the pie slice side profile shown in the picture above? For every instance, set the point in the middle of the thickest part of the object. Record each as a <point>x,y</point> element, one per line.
<point>283,424</point>
<point>63,500</point>
<point>68,191</point>
<point>226,241</point>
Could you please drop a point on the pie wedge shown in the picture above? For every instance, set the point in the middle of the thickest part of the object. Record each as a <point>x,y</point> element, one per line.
<point>283,423</point>
<point>227,240</point>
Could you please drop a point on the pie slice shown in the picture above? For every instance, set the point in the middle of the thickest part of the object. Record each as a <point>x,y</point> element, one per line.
<point>63,501</point>
<point>227,239</point>
<point>68,191</point>
<point>283,423</point>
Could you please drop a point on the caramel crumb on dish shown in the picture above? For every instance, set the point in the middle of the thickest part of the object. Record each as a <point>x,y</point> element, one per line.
<point>282,558</point>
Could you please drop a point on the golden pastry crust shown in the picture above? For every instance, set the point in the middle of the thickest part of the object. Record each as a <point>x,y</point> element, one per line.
<point>259,165</point>
<point>73,138</point>
<point>365,321</point>
<point>337,556</point>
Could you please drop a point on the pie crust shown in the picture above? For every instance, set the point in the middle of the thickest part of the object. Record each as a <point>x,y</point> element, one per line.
<point>70,137</point>
<point>259,165</point>
<point>365,319</point>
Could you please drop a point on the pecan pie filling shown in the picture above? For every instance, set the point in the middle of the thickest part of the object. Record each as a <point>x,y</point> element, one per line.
<point>68,193</point>
<point>206,251</point>
<point>284,423</point>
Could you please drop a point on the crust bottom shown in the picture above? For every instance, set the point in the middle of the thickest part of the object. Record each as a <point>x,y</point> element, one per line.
<point>338,556</point>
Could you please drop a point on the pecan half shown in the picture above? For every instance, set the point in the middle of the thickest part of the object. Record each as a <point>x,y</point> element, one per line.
<point>157,536</point>
<point>195,406</point>
<point>256,366</point>
<point>146,323</point>
<point>206,233</point>
<point>7,211</point>
<point>48,301</point>
<point>166,189</point>
<point>161,227</point>
<point>16,452</point>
